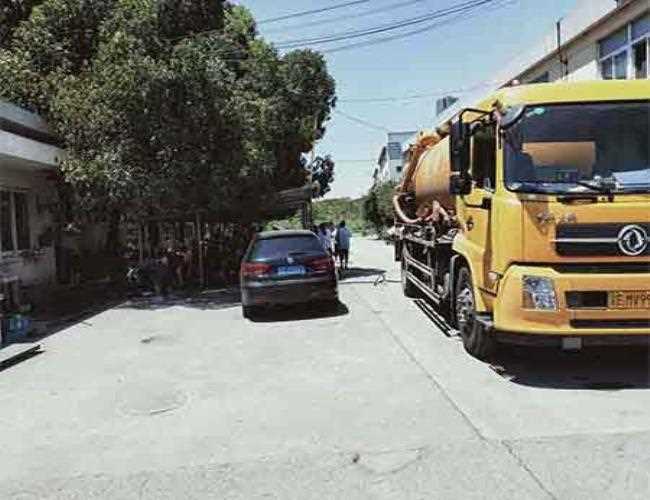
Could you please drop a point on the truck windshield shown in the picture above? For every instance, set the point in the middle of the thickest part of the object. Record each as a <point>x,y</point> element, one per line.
<point>575,148</point>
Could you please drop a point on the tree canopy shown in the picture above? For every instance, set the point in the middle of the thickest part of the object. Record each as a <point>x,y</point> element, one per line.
<point>378,206</point>
<point>166,105</point>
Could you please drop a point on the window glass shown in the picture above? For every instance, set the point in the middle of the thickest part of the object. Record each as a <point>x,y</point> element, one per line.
<point>484,157</point>
<point>6,222</point>
<point>620,66</point>
<point>641,59</point>
<point>613,42</point>
<point>543,78</point>
<point>22,221</point>
<point>281,247</point>
<point>574,147</point>
<point>607,69</point>
<point>641,27</point>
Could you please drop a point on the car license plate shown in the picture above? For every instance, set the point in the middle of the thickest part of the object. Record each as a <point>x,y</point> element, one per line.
<point>291,270</point>
<point>636,299</point>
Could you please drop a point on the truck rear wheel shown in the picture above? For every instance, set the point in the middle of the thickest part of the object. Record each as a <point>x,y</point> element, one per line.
<point>408,288</point>
<point>476,340</point>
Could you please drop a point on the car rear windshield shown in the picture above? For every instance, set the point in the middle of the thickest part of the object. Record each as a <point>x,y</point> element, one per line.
<point>279,248</point>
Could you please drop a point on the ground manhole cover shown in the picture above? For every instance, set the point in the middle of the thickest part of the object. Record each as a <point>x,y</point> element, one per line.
<point>150,398</point>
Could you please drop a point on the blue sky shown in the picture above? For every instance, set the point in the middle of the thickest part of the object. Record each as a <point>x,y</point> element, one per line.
<point>453,56</point>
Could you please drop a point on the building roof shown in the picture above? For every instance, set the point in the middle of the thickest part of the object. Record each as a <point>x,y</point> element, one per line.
<point>25,123</point>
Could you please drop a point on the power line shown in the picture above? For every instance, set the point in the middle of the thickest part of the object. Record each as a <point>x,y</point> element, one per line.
<point>361,121</point>
<point>441,93</point>
<point>330,20</point>
<point>312,12</point>
<point>377,41</point>
<point>351,34</point>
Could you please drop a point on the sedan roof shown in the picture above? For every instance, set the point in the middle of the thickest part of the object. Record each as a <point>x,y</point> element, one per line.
<point>284,233</point>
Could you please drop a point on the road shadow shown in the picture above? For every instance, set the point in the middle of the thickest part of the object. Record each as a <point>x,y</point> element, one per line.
<point>604,369</point>
<point>224,298</point>
<point>377,276</point>
<point>431,312</point>
<point>299,312</point>
<point>593,368</point>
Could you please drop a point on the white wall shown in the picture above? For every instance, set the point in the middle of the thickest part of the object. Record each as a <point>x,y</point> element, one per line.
<point>40,191</point>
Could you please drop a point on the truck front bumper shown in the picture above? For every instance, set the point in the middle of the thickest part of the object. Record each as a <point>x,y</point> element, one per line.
<point>571,319</point>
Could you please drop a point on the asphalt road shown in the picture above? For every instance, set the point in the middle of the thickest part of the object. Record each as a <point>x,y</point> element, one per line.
<point>187,400</point>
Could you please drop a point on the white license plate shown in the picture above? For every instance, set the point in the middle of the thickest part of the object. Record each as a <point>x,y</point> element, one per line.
<point>291,270</point>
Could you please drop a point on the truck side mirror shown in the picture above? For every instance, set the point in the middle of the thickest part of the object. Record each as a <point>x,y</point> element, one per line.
<point>459,145</point>
<point>460,184</point>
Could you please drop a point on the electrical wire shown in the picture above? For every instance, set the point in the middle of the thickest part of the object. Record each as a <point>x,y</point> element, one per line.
<point>418,96</point>
<point>377,41</point>
<point>330,20</point>
<point>361,121</point>
<point>312,12</point>
<point>461,8</point>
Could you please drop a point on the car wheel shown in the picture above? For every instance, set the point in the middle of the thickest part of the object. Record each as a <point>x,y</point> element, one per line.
<point>476,341</point>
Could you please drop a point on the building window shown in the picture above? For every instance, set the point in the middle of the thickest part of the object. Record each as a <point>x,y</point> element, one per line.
<point>14,221</point>
<point>624,54</point>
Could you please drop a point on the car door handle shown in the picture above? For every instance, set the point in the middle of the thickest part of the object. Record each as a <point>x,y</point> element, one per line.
<point>470,223</point>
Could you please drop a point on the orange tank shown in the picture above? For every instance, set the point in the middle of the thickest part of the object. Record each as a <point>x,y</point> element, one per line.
<point>427,172</point>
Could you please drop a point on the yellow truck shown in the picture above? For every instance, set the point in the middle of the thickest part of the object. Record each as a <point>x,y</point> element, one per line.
<point>527,218</point>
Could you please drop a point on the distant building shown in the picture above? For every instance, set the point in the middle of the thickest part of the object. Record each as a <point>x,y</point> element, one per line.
<point>610,42</point>
<point>445,102</point>
<point>390,162</point>
<point>598,39</point>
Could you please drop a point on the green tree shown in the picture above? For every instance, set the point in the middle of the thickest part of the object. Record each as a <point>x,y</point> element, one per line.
<point>322,174</point>
<point>12,12</point>
<point>167,106</point>
<point>378,207</point>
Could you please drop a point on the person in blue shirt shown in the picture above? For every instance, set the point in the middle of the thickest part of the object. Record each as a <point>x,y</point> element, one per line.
<point>343,236</point>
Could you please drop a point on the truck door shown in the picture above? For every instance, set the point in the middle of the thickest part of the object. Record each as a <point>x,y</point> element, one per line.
<point>476,207</point>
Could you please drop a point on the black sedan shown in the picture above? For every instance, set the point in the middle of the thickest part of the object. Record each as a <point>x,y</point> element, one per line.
<point>286,267</point>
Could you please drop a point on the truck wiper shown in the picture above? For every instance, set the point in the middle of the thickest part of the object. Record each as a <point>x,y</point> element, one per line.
<point>607,186</point>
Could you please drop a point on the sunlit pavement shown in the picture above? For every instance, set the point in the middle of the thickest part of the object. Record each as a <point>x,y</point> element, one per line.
<point>183,399</point>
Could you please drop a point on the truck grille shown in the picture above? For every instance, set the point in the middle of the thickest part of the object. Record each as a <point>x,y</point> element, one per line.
<point>626,239</point>
<point>586,300</point>
<point>610,323</point>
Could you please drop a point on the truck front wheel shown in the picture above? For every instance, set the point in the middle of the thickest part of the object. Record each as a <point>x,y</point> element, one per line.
<point>476,340</point>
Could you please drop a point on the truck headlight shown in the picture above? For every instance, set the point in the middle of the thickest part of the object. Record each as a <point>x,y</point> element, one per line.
<point>539,293</point>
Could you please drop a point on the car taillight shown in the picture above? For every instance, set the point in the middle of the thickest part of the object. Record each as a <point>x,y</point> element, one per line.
<point>255,269</point>
<point>322,264</point>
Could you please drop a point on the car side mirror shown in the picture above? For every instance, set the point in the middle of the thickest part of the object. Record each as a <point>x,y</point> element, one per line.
<point>460,184</point>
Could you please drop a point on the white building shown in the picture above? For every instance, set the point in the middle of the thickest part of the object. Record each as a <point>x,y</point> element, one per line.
<point>28,162</point>
<point>599,39</point>
<point>390,162</point>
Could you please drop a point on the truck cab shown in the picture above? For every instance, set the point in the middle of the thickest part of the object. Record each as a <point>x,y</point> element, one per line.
<point>552,201</point>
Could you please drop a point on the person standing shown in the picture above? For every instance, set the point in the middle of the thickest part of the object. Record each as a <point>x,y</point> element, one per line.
<point>343,236</point>
<point>325,237</point>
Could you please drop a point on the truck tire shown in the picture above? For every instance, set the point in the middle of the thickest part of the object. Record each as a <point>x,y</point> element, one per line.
<point>408,288</point>
<point>476,340</point>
